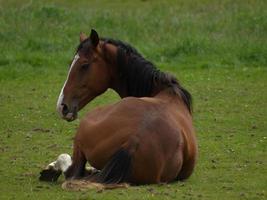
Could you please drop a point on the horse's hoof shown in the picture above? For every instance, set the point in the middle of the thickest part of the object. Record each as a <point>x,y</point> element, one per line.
<point>49,175</point>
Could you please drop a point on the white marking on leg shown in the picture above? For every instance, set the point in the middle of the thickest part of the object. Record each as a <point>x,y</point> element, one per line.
<point>62,163</point>
<point>61,95</point>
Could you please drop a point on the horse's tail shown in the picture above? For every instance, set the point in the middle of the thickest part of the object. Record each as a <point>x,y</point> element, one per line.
<point>114,174</point>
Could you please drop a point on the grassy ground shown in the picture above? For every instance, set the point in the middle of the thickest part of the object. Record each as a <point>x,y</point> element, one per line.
<point>217,49</point>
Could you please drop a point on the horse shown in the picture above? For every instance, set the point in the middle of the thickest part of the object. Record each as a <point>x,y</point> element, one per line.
<point>145,138</point>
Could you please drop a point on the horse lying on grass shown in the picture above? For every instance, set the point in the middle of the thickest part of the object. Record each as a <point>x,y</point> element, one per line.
<point>147,137</point>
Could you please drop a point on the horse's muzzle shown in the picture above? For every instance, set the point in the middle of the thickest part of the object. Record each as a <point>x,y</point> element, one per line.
<point>67,113</point>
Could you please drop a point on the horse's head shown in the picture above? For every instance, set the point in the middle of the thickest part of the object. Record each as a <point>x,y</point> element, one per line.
<point>89,76</point>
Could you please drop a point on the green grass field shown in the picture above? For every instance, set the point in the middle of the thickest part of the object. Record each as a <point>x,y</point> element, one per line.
<point>217,49</point>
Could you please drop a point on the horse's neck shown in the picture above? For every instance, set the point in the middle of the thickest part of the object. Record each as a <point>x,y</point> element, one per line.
<point>156,81</point>
<point>122,87</point>
<point>119,88</point>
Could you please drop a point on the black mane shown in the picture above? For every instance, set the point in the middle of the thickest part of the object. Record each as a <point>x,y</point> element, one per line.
<point>141,76</point>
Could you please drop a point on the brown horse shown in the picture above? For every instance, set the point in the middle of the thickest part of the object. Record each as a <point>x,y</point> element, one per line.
<point>147,137</point>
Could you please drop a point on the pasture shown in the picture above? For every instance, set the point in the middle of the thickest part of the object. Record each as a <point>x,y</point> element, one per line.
<point>217,49</point>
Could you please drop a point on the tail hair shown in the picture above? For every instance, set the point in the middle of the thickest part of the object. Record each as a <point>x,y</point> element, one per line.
<point>115,174</point>
<point>117,170</point>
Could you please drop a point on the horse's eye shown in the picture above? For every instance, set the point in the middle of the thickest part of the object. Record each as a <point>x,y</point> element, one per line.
<point>85,66</point>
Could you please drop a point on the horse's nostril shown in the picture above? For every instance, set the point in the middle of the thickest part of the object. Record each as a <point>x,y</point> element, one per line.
<point>65,109</point>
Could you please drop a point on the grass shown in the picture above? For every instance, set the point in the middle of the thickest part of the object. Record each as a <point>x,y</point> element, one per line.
<point>216,49</point>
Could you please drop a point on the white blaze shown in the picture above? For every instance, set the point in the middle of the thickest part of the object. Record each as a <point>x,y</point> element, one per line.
<point>61,95</point>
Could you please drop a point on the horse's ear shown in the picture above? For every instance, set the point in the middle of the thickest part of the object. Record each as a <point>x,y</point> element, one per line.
<point>82,37</point>
<point>94,37</point>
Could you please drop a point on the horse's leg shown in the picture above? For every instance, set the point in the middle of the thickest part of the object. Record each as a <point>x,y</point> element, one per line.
<point>158,158</point>
<point>77,168</point>
<point>173,166</point>
<point>189,160</point>
<point>187,169</point>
